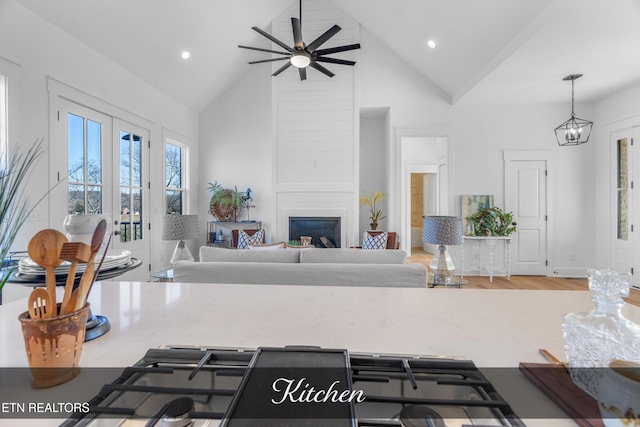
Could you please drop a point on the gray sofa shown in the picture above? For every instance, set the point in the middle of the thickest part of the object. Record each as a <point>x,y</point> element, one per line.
<point>323,267</point>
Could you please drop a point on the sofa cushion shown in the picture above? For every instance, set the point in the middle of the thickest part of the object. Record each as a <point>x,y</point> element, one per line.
<point>209,254</point>
<point>403,276</point>
<point>244,239</point>
<point>353,256</point>
<point>374,242</point>
<point>267,247</point>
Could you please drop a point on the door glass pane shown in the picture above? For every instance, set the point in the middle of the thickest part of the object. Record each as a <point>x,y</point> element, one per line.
<point>94,152</point>
<point>94,199</point>
<point>130,187</point>
<point>75,137</point>
<point>84,160</point>
<point>623,192</point>
<point>76,198</point>
<point>136,198</point>
<point>125,155</point>
<point>136,159</point>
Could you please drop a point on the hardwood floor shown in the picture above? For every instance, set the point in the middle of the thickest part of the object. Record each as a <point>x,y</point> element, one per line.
<point>521,282</point>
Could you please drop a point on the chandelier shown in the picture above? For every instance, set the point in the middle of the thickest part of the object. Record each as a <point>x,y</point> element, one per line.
<point>574,131</point>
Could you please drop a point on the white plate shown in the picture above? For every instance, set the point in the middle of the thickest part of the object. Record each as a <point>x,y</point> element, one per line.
<point>113,259</point>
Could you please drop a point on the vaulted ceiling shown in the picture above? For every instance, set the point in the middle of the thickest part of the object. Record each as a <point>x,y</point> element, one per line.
<point>500,51</point>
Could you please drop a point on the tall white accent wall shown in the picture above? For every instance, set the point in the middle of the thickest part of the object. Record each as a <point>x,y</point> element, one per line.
<point>315,125</point>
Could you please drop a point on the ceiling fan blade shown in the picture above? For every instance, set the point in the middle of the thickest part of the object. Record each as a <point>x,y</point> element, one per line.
<point>323,38</point>
<point>273,39</point>
<point>268,60</point>
<point>338,49</point>
<point>303,73</point>
<point>321,69</point>
<point>281,69</point>
<point>335,61</point>
<point>264,50</point>
<point>297,33</point>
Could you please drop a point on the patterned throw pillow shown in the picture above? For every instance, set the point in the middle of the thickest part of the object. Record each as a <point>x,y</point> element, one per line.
<point>374,242</point>
<point>244,240</point>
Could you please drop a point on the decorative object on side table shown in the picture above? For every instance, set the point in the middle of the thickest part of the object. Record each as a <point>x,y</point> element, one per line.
<point>442,231</point>
<point>491,222</point>
<point>371,200</point>
<point>180,227</point>
<point>594,338</point>
<point>225,204</point>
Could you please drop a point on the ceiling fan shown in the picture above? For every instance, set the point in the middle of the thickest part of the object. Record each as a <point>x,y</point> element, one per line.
<point>303,55</point>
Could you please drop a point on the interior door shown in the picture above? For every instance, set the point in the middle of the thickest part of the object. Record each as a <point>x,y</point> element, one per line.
<point>526,197</point>
<point>130,205</point>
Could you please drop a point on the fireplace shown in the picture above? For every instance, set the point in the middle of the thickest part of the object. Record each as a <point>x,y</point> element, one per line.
<point>321,229</point>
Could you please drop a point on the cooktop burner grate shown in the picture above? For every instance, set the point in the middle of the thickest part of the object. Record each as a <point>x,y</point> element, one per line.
<point>213,379</point>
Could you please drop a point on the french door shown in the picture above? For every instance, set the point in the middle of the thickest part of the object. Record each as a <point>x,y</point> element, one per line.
<point>101,164</point>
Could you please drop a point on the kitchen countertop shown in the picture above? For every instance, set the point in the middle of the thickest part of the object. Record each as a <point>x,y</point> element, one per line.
<point>494,328</point>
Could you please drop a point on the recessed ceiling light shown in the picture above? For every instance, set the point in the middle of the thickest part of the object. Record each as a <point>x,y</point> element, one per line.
<point>431,44</point>
<point>186,54</point>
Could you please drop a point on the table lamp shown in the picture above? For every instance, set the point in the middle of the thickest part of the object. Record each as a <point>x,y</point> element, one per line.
<point>442,231</point>
<point>180,227</point>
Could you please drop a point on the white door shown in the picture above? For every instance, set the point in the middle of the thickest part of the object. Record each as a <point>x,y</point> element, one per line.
<point>526,197</point>
<point>130,206</point>
<point>622,243</point>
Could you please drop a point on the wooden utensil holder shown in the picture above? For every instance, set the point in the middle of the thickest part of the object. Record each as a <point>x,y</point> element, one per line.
<point>54,346</point>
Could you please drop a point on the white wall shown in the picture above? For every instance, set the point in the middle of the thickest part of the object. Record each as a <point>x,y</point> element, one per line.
<point>620,111</point>
<point>236,144</point>
<point>40,50</point>
<point>483,132</point>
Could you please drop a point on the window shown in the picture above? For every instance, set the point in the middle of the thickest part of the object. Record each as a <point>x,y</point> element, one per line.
<point>623,189</point>
<point>84,165</point>
<point>175,183</point>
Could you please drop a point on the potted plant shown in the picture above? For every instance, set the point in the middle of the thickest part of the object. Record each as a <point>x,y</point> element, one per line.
<point>225,204</point>
<point>371,200</point>
<point>14,205</point>
<point>492,222</point>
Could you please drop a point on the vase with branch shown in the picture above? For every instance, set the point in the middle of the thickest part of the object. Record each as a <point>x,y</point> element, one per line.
<point>372,201</point>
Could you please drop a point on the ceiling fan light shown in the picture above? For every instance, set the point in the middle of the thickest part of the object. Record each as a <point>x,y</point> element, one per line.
<point>300,60</point>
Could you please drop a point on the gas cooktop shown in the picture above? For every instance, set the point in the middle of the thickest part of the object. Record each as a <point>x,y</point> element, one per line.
<point>179,386</point>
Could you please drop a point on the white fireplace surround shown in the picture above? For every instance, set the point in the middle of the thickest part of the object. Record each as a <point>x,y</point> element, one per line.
<point>283,223</point>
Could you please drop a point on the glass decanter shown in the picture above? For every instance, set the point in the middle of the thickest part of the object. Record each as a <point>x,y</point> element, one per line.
<point>592,339</point>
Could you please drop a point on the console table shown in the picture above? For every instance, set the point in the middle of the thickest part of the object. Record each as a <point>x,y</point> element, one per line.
<point>214,226</point>
<point>490,242</point>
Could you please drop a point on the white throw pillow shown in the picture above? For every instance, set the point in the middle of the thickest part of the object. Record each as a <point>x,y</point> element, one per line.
<point>244,240</point>
<point>275,246</point>
<point>375,242</point>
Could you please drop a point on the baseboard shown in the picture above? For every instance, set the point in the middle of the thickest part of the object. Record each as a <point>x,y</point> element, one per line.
<point>569,272</point>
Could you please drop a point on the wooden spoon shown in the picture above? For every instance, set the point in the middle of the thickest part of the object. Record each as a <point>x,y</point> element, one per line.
<point>87,277</point>
<point>74,252</point>
<point>40,304</point>
<point>44,249</point>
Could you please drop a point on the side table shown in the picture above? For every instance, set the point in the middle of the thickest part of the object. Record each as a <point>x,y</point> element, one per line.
<point>491,243</point>
<point>164,275</point>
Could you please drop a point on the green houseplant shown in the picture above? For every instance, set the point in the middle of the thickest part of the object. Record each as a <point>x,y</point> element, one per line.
<point>15,206</point>
<point>492,222</point>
